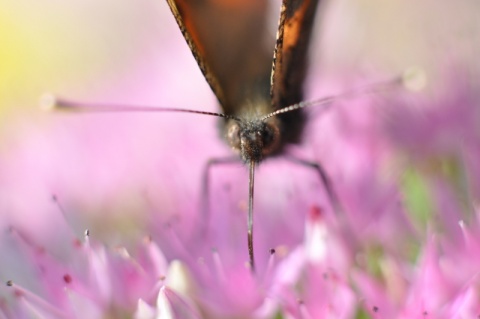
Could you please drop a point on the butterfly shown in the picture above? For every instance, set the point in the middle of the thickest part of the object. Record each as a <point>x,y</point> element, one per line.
<point>252,83</point>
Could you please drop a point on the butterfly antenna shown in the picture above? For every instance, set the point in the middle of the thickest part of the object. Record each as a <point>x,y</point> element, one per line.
<point>412,79</point>
<point>51,102</point>
<point>250,215</point>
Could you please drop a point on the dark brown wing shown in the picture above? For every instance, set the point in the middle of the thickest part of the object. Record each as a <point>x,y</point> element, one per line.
<point>290,58</point>
<point>227,38</point>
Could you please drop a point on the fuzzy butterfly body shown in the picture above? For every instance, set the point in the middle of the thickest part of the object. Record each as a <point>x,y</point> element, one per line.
<point>229,42</point>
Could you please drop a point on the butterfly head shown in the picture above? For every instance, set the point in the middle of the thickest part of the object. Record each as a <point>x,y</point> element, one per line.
<point>253,139</point>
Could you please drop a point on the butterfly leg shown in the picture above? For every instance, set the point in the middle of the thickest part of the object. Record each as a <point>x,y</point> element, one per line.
<point>332,195</point>
<point>205,195</point>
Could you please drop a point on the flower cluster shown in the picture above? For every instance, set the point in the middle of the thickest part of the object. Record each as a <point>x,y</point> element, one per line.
<point>405,246</point>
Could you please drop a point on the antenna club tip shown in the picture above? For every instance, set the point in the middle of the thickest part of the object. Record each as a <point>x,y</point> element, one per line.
<point>414,78</point>
<point>48,102</point>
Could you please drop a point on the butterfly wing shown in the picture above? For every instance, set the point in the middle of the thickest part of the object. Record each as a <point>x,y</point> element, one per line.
<point>290,62</point>
<point>227,39</point>
<point>290,58</point>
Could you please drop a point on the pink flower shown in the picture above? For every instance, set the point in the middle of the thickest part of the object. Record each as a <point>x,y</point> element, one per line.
<point>96,281</point>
